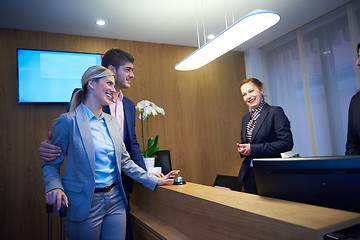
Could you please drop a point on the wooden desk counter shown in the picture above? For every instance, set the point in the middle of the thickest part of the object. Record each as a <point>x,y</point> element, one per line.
<point>203,212</point>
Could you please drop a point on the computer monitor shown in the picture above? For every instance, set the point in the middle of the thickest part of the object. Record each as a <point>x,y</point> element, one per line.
<point>332,182</point>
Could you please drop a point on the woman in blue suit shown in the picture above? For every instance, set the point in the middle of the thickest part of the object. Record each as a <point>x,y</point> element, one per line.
<point>91,186</point>
<point>265,131</point>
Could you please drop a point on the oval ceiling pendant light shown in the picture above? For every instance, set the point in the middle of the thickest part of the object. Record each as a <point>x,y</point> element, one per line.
<point>239,32</point>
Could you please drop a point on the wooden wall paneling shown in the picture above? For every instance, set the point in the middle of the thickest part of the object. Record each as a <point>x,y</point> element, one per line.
<point>204,110</point>
<point>201,125</point>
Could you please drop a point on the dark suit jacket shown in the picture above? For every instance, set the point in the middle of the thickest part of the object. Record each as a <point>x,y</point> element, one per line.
<point>353,135</point>
<point>271,136</point>
<point>130,140</point>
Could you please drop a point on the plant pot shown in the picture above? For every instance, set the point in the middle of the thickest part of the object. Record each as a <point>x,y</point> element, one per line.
<point>149,162</point>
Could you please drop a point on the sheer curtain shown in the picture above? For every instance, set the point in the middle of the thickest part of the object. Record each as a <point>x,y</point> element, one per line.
<point>311,74</point>
<point>284,87</point>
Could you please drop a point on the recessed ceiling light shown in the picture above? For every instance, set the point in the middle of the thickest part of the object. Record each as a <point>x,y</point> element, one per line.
<point>100,22</point>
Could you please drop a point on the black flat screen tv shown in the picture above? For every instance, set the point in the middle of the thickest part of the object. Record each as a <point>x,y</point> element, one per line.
<point>332,182</point>
<point>51,76</point>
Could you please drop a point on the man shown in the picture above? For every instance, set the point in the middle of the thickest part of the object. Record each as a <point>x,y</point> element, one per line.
<point>353,135</point>
<point>121,63</point>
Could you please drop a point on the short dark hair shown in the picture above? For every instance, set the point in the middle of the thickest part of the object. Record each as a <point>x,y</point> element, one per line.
<point>358,47</point>
<point>116,57</point>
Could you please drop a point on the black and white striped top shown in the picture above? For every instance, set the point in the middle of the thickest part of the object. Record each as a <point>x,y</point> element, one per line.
<point>254,115</point>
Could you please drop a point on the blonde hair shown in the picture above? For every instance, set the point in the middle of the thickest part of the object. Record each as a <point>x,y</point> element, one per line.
<point>93,73</point>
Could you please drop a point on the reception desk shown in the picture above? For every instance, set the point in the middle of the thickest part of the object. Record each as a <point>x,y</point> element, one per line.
<point>194,211</point>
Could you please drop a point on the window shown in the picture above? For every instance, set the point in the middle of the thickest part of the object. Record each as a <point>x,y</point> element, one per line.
<point>311,74</point>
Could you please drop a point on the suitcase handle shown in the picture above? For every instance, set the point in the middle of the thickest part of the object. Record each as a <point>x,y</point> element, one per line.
<point>62,211</point>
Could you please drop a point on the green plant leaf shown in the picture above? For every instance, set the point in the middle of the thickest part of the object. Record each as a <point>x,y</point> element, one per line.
<point>151,142</point>
<point>152,146</point>
<point>152,151</point>
<point>156,140</point>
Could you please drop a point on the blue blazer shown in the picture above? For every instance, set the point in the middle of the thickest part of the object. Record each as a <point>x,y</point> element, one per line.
<point>271,136</point>
<point>72,133</point>
<point>130,140</point>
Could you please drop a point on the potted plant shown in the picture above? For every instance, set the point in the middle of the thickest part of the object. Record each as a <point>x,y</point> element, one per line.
<point>148,109</point>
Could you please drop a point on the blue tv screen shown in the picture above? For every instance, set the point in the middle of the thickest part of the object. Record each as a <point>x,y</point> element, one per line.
<point>51,76</point>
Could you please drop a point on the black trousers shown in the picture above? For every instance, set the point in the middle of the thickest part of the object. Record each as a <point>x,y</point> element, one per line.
<point>249,182</point>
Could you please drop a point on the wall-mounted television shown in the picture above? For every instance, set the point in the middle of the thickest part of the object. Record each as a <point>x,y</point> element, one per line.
<point>51,76</point>
<point>332,182</point>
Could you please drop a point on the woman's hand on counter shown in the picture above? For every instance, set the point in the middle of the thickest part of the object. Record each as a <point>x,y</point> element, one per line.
<point>168,177</point>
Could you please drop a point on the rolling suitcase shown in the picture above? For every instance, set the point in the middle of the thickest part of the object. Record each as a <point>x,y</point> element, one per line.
<point>62,214</point>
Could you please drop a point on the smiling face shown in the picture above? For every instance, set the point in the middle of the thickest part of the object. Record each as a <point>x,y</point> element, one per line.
<point>251,94</point>
<point>103,89</point>
<point>124,74</point>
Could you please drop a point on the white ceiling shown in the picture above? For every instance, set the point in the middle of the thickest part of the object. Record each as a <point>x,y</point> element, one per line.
<point>158,21</point>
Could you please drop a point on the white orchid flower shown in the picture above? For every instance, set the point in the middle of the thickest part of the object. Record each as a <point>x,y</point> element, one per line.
<point>147,103</point>
<point>148,109</point>
<point>160,110</point>
<point>153,111</point>
<point>142,105</point>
